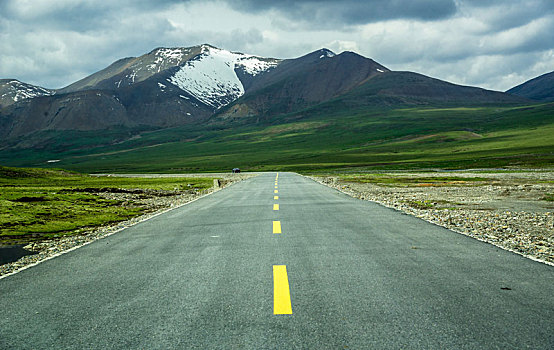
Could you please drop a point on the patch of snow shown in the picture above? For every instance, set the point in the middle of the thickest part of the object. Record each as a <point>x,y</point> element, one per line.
<point>132,76</point>
<point>254,65</point>
<point>20,91</point>
<point>326,53</point>
<point>165,57</point>
<point>162,86</point>
<point>188,113</point>
<point>211,78</point>
<point>186,98</point>
<point>380,70</point>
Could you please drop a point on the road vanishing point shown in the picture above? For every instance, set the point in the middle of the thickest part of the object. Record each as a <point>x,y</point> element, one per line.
<point>279,261</point>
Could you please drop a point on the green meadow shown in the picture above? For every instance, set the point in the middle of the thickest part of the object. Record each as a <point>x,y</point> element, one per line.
<point>38,203</point>
<point>321,139</point>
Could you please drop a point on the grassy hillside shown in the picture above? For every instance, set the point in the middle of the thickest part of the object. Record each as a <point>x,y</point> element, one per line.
<point>326,137</point>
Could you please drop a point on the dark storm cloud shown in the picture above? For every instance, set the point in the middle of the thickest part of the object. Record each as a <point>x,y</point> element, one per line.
<point>348,12</point>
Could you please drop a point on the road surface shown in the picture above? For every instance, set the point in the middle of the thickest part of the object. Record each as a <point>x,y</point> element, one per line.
<point>281,262</point>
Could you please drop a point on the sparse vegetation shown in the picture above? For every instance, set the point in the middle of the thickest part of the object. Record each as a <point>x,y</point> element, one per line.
<point>425,204</point>
<point>407,180</point>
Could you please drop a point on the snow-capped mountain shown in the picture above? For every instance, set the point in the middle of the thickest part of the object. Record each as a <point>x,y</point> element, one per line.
<point>204,85</point>
<point>12,91</point>
<point>213,76</point>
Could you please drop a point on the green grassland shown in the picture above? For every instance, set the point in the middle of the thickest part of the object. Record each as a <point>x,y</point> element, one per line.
<point>38,203</point>
<point>322,139</point>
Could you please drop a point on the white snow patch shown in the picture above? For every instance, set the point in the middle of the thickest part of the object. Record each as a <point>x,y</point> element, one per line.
<point>188,113</point>
<point>254,65</point>
<point>211,78</point>
<point>186,98</point>
<point>165,57</point>
<point>20,91</point>
<point>162,86</point>
<point>380,70</point>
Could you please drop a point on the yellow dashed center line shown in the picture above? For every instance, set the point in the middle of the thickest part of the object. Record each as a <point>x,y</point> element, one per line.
<point>275,206</point>
<point>275,197</point>
<point>276,191</point>
<point>281,291</point>
<point>276,226</point>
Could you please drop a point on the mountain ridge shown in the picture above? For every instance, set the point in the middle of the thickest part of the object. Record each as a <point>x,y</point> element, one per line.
<point>203,85</point>
<point>540,88</point>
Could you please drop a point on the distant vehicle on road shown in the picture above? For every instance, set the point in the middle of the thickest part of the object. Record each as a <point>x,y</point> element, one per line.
<point>236,170</point>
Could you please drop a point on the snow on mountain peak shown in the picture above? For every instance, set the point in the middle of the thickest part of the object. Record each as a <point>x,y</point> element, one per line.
<point>167,57</point>
<point>326,53</point>
<point>211,76</point>
<point>12,91</point>
<point>254,65</point>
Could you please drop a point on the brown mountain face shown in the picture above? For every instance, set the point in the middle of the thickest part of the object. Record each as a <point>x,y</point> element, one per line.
<point>302,82</point>
<point>414,88</point>
<point>85,110</point>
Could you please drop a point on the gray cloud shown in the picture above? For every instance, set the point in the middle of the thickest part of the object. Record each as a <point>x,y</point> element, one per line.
<point>323,13</point>
<point>490,43</point>
<point>506,14</point>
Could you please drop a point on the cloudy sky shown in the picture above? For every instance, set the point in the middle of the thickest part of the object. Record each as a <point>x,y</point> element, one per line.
<point>494,44</point>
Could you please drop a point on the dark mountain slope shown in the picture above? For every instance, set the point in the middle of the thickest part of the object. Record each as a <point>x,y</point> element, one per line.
<point>299,83</point>
<point>387,89</point>
<point>152,103</point>
<point>85,110</point>
<point>144,104</point>
<point>540,88</point>
<point>414,88</point>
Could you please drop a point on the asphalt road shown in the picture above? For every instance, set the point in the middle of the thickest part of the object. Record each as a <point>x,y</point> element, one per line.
<point>204,276</point>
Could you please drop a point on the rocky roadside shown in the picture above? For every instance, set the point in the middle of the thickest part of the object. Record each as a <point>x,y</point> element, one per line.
<point>156,202</point>
<point>508,210</point>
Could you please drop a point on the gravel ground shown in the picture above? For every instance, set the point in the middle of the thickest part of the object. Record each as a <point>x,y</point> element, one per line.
<point>507,209</point>
<point>156,202</point>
